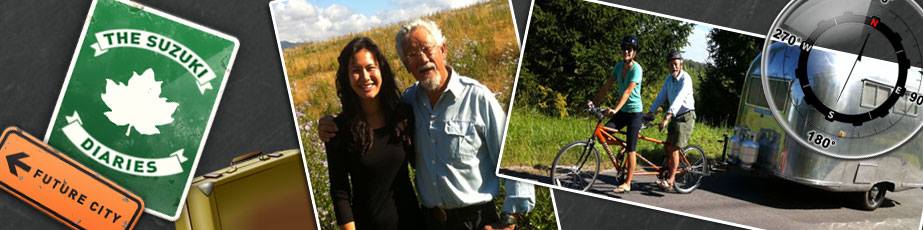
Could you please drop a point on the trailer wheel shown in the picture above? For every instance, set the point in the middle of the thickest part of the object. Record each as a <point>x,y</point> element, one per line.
<point>871,199</point>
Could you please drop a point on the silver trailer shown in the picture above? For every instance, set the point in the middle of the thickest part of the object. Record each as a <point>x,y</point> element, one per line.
<point>759,144</point>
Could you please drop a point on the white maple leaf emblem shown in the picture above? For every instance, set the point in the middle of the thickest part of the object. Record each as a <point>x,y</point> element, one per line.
<point>138,104</point>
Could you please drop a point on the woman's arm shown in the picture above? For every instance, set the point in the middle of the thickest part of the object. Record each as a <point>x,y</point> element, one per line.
<point>407,127</point>
<point>340,190</point>
<point>624,97</point>
<point>601,94</point>
<point>405,197</point>
<point>348,226</point>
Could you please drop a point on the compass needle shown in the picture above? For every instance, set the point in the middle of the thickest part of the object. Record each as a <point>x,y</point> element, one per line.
<point>858,59</point>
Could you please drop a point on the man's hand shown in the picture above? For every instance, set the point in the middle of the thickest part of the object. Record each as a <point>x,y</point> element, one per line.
<point>326,128</point>
<point>666,120</point>
<point>648,117</point>
<point>499,226</point>
<point>610,112</point>
<point>348,226</point>
<point>507,221</point>
<point>495,226</point>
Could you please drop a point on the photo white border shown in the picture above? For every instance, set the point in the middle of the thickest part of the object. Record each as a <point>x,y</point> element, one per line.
<point>522,48</point>
<point>554,205</point>
<point>291,104</point>
<point>920,226</point>
<point>298,129</point>
<point>211,117</point>
<point>600,196</point>
<point>519,36</point>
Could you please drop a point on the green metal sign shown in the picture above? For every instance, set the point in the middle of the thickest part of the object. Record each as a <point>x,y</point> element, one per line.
<point>139,99</point>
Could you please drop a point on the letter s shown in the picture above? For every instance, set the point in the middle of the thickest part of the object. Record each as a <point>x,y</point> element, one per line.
<point>151,167</point>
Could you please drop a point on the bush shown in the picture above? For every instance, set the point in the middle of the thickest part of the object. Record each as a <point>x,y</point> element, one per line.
<point>731,54</point>
<point>573,47</point>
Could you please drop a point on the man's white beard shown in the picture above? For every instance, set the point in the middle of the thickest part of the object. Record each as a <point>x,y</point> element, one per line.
<point>431,84</point>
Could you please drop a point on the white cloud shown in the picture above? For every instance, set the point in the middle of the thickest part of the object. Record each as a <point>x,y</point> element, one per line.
<point>409,9</point>
<point>444,4</point>
<point>302,21</point>
<point>299,21</point>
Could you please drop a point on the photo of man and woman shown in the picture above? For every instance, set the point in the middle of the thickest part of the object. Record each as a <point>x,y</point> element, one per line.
<point>402,118</point>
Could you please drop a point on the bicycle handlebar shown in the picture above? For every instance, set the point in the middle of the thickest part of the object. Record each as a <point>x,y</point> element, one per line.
<point>600,113</point>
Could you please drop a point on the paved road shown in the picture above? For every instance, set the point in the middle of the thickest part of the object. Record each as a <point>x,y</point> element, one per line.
<point>766,202</point>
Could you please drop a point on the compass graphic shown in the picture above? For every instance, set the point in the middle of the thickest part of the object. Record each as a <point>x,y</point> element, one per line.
<point>855,92</point>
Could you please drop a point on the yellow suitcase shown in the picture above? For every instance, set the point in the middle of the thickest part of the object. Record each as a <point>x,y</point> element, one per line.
<point>258,191</point>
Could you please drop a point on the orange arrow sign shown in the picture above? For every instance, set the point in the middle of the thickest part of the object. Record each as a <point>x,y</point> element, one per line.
<point>63,188</point>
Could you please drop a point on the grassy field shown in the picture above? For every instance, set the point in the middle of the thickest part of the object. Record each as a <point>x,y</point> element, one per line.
<point>533,139</point>
<point>482,45</point>
<point>481,41</point>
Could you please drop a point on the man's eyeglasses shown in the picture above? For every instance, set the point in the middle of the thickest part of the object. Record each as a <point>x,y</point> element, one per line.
<point>425,49</point>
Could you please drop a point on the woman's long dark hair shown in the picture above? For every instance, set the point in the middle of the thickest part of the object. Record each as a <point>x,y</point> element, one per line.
<point>396,114</point>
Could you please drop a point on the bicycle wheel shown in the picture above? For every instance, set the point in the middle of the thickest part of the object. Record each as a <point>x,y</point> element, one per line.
<point>576,166</point>
<point>690,172</point>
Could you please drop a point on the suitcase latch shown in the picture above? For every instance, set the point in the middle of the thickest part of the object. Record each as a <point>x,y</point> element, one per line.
<point>212,175</point>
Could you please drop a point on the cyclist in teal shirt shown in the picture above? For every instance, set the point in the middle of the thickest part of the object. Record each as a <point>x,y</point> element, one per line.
<point>626,75</point>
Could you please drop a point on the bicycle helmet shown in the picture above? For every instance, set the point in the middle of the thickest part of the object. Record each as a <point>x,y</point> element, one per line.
<point>630,42</point>
<point>674,55</point>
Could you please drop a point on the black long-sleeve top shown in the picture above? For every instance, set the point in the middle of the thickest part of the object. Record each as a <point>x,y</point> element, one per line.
<point>380,195</point>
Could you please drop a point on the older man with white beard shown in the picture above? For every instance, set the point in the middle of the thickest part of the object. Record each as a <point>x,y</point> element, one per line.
<point>459,126</point>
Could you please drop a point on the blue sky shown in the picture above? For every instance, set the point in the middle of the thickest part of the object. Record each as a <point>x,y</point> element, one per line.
<point>697,49</point>
<point>317,20</point>
<point>362,7</point>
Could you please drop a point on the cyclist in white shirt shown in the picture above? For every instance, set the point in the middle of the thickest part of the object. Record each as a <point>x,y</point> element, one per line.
<point>677,95</point>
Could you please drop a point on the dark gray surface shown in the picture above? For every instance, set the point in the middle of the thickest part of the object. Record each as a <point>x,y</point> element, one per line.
<point>37,41</point>
<point>736,197</point>
<point>521,15</point>
<point>585,212</point>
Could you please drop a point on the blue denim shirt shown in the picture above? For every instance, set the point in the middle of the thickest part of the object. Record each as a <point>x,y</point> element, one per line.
<point>458,143</point>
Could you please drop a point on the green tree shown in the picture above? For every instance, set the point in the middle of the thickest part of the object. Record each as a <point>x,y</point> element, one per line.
<point>572,47</point>
<point>719,94</point>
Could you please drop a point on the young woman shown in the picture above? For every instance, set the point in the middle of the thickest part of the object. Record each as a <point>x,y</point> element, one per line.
<point>368,158</point>
<point>626,75</point>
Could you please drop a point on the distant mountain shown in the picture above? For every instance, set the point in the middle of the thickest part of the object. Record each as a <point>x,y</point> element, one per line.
<point>694,64</point>
<point>286,45</point>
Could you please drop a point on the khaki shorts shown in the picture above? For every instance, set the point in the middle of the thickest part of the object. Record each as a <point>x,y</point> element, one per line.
<point>680,129</point>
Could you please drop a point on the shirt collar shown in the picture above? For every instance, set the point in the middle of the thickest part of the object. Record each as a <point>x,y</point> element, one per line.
<point>454,84</point>
<point>454,87</point>
<point>682,74</point>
